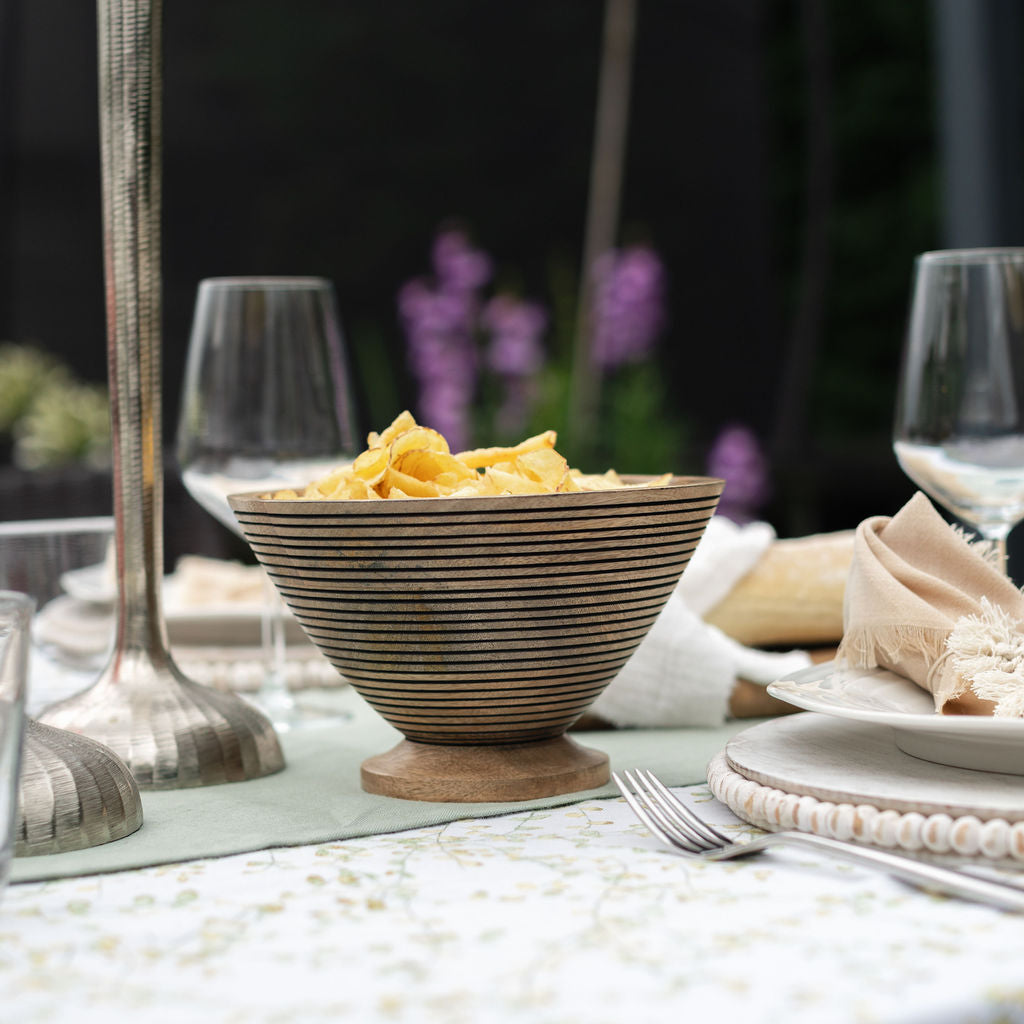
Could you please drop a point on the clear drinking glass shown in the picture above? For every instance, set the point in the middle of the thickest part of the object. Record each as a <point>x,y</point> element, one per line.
<point>65,566</point>
<point>959,432</point>
<point>266,404</point>
<point>15,618</point>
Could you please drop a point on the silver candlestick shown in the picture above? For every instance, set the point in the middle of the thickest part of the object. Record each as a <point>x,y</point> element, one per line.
<point>171,731</point>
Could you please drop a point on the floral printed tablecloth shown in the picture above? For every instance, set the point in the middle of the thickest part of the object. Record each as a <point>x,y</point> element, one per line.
<point>554,916</point>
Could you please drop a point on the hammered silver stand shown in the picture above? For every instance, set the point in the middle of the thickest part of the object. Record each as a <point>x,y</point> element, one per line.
<point>170,731</point>
<point>73,793</point>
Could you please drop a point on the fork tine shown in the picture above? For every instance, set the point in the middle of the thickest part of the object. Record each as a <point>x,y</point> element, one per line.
<point>640,811</point>
<point>658,795</point>
<point>652,816</point>
<point>698,824</point>
<point>681,837</point>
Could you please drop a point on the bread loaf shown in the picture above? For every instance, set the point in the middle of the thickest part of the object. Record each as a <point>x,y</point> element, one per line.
<point>792,596</point>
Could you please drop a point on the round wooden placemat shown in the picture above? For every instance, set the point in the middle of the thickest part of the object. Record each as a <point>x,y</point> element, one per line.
<point>848,780</point>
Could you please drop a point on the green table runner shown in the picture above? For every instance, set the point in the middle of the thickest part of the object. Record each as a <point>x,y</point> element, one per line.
<point>317,798</point>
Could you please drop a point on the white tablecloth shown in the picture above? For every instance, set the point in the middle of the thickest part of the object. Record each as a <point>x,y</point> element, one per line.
<point>557,916</point>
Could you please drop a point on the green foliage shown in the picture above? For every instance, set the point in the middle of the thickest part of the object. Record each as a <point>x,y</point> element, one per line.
<point>638,435</point>
<point>25,373</point>
<point>50,418</point>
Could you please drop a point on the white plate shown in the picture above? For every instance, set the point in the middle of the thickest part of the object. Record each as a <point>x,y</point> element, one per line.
<point>883,698</point>
<point>93,591</point>
<point>93,583</point>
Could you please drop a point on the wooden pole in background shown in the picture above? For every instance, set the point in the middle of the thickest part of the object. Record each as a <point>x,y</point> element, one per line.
<point>601,227</point>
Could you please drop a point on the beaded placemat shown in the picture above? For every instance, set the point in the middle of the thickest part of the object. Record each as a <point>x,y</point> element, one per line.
<point>849,781</point>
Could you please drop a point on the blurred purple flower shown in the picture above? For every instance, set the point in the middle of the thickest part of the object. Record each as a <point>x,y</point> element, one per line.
<point>515,354</point>
<point>516,328</point>
<point>458,266</point>
<point>737,457</point>
<point>438,330</point>
<point>444,407</point>
<point>442,356</point>
<point>628,306</point>
<point>442,319</point>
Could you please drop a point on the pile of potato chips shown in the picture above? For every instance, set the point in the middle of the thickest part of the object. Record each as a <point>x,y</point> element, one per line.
<point>410,461</point>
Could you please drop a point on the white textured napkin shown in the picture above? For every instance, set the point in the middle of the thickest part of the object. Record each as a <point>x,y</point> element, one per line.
<point>685,669</point>
<point>725,554</point>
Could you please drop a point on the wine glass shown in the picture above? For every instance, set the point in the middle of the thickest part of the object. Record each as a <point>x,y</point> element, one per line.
<point>959,432</point>
<point>266,404</point>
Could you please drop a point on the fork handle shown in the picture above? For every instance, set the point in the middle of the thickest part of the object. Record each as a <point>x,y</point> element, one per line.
<point>919,873</point>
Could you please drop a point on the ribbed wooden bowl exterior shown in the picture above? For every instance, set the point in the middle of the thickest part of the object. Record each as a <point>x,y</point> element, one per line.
<point>480,620</point>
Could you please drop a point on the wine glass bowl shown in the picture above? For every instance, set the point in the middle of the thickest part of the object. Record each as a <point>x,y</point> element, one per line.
<point>266,403</point>
<point>266,398</point>
<point>481,627</point>
<point>959,426</point>
<point>65,565</point>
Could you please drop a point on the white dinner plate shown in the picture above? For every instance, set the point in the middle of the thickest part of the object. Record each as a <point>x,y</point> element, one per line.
<point>93,583</point>
<point>93,589</point>
<point>884,698</point>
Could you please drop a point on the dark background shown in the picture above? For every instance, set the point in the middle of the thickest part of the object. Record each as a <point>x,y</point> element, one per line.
<point>787,159</point>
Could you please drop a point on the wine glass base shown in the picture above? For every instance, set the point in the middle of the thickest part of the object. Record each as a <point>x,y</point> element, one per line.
<point>307,709</point>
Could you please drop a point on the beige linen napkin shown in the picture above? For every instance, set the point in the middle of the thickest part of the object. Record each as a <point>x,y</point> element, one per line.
<point>926,603</point>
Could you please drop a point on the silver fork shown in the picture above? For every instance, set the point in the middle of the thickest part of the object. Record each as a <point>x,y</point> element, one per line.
<point>684,832</point>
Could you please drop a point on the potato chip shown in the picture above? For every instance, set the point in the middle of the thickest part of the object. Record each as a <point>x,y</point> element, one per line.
<point>544,465</point>
<point>597,481</point>
<point>329,484</point>
<point>657,481</point>
<point>431,465</point>
<point>417,439</point>
<point>514,483</point>
<point>478,458</point>
<point>406,460</point>
<point>370,465</point>
<point>409,485</point>
<point>451,482</point>
<point>402,422</point>
<point>356,489</point>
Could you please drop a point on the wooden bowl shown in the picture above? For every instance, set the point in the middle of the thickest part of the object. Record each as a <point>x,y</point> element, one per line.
<point>481,628</point>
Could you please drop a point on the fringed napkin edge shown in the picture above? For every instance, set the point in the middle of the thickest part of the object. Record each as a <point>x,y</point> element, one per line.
<point>982,654</point>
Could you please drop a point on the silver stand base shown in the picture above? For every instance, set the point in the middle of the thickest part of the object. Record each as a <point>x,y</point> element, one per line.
<point>171,732</point>
<point>73,793</point>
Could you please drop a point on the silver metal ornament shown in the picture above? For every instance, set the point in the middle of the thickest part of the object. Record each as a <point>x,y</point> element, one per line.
<point>169,730</point>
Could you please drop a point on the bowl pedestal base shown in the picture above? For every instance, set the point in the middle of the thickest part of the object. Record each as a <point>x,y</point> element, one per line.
<point>484,774</point>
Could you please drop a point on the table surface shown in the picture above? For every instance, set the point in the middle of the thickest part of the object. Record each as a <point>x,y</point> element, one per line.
<point>572,914</point>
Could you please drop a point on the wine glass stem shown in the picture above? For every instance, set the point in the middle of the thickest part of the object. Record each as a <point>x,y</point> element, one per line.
<point>1000,543</point>
<point>996,535</point>
<point>273,693</point>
